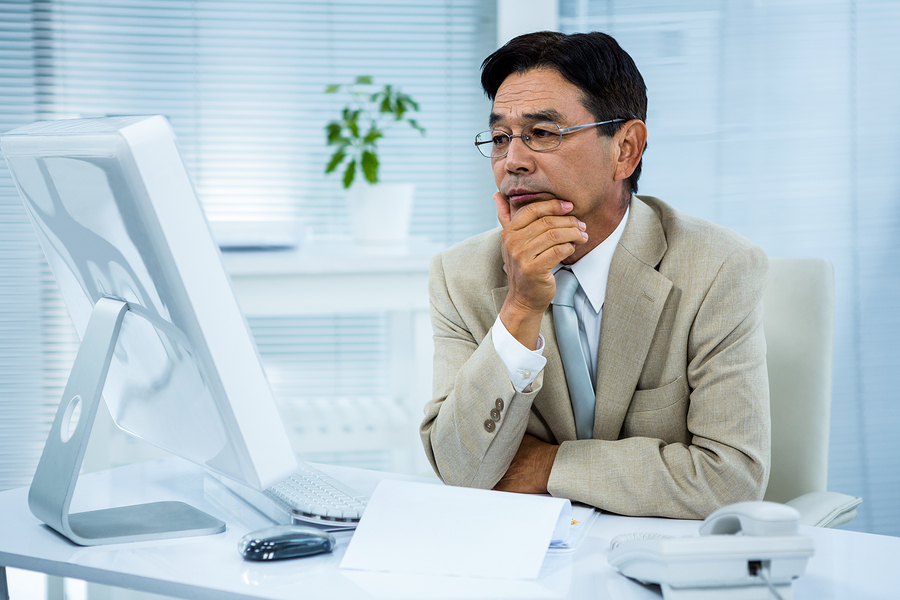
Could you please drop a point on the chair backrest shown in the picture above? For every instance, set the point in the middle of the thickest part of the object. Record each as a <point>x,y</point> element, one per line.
<point>799,326</point>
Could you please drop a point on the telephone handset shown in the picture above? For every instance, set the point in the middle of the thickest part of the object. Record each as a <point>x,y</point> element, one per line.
<point>747,550</point>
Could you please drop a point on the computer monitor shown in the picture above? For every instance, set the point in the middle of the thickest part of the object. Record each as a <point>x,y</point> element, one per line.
<point>129,245</point>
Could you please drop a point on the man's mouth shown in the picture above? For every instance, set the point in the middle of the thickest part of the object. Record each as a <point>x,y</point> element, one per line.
<point>521,196</point>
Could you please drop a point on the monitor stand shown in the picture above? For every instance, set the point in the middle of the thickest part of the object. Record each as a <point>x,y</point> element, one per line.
<point>57,472</point>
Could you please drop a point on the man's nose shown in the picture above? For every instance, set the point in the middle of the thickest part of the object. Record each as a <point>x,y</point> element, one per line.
<point>519,157</point>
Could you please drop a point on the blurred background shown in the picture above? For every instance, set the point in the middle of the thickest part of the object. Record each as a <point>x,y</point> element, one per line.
<point>779,119</point>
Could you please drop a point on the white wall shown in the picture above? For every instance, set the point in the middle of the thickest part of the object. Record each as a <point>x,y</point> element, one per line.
<point>515,17</point>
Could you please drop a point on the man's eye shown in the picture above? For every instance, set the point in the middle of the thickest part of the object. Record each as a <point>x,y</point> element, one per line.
<point>500,140</point>
<point>541,133</point>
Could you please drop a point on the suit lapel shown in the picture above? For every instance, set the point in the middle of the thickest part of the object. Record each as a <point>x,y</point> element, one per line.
<point>635,296</point>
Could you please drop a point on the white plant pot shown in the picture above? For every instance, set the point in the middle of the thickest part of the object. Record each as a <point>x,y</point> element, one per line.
<point>381,213</point>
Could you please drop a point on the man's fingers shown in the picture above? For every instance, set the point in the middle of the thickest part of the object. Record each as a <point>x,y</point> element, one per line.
<point>503,213</point>
<point>537,210</point>
<point>551,222</point>
<point>555,254</point>
<point>539,268</point>
<point>557,236</point>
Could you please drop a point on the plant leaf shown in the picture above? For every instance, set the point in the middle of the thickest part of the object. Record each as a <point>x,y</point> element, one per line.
<point>370,166</point>
<point>353,126</point>
<point>373,135</point>
<point>364,79</point>
<point>333,131</point>
<point>415,125</point>
<point>349,174</point>
<point>335,160</point>
<point>332,89</point>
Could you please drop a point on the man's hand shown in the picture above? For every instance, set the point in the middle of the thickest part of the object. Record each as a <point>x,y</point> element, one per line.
<point>530,469</point>
<point>535,239</point>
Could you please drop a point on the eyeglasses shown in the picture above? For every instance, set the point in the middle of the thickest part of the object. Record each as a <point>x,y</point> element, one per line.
<point>540,137</point>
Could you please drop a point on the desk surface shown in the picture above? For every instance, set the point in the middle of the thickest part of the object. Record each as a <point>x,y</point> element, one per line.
<point>846,565</point>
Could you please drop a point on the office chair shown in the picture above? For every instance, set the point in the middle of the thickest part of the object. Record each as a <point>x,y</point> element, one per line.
<point>798,319</point>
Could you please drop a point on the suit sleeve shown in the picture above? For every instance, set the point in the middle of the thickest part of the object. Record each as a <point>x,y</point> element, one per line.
<point>726,456</point>
<point>465,443</point>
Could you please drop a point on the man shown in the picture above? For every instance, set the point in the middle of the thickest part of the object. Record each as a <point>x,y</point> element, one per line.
<point>675,418</point>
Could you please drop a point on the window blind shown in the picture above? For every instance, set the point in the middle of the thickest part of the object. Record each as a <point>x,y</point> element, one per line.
<point>780,122</point>
<point>243,85</point>
<point>23,415</point>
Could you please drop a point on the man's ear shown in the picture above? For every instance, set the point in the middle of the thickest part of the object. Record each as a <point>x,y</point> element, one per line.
<point>630,141</point>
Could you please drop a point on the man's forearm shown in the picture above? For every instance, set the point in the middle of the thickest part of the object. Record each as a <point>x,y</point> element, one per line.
<point>466,444</point>
<point>531,467</point>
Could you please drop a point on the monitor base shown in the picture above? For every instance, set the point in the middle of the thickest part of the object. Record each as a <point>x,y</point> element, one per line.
<point>141,522</point>
<point>57,473</point>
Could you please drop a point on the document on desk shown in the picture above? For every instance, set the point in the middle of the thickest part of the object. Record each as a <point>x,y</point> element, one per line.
<point>422,528</point>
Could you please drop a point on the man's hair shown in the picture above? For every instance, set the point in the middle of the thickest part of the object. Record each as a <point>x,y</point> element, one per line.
<point>611,85</point>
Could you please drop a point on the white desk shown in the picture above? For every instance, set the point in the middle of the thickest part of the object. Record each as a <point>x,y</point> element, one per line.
<point>847,565</point>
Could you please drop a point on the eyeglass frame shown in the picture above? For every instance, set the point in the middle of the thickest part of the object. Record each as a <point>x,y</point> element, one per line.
<point>562,131</point>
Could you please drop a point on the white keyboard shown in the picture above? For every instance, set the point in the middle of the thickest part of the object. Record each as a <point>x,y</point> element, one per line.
<point>311,495</point>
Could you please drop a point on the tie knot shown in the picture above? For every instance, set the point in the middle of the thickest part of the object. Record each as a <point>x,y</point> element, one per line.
<point>566,284</point>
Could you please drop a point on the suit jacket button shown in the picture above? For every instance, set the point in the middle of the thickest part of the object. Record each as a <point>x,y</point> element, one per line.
<point>490,426</point>
<point>499,404</point>
<point>495,414</point>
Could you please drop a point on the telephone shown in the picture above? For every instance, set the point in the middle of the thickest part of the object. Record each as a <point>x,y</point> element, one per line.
<point>744,551</point>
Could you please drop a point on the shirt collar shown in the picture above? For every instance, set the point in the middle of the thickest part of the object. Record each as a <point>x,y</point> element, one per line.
<point>592,269</point>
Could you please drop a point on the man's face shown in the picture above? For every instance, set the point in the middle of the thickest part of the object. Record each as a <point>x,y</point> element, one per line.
<point>581,170</point>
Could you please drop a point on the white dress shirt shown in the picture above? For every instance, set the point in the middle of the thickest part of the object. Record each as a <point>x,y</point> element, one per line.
<point>592,271</point>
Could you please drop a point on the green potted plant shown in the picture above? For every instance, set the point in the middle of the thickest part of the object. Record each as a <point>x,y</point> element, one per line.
<point>370,111</point>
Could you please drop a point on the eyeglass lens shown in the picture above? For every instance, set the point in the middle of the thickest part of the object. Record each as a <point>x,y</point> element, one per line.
<point>537,136</point>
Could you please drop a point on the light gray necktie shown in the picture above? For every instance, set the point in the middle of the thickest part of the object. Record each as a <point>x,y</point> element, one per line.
<point>578,378</point>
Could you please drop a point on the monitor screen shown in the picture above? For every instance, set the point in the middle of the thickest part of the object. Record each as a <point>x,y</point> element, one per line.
<point>117,217</point>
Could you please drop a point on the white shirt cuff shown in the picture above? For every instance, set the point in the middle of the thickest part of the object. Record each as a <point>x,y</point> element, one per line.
<point>522,365</point>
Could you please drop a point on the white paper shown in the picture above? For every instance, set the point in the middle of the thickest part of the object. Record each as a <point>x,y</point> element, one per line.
<point>421,528</point>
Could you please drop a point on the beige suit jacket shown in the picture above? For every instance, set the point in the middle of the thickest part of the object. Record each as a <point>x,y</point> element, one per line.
<point>681,424</point>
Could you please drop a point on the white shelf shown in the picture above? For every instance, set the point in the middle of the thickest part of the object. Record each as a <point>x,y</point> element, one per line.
<point>331,276</point>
